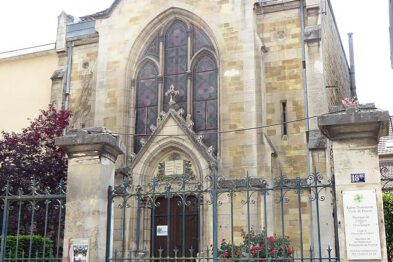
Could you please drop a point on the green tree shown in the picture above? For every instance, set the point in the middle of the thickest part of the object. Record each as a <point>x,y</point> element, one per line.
<point>388,213</point>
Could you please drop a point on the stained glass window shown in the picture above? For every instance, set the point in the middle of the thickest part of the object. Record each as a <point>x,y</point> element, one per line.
<point>177,58</point>
<point>205,99</point>
<point>146,102</point>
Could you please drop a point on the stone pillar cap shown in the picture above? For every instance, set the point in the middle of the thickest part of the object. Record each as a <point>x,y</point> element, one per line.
<point>358,121</point>
<point>91,141</point>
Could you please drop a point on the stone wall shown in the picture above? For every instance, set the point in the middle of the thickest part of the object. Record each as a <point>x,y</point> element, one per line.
<point>83,79</point>
<point>335,64</point>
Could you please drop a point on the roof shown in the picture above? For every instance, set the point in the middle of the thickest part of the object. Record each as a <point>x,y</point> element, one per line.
<point>101,14</point>
<point>34,50</point>
<point>385,146</point>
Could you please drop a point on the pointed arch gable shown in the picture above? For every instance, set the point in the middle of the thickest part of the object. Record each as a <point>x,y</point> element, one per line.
<point>170,33</point>
<point>154,26</point>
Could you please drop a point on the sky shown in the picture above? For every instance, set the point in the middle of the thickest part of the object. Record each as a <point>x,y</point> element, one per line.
<point>25,23</point>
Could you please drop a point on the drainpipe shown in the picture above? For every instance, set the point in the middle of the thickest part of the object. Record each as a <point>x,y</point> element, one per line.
<point>67,83</point>
<point>306,113</point>
<point>352,65</point>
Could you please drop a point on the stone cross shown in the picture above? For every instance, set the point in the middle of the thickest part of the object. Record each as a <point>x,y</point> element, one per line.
<point>172,93</point>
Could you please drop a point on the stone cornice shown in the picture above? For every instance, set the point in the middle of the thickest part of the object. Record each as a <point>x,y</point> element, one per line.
<point>91,142</point>
<point>275,7</point>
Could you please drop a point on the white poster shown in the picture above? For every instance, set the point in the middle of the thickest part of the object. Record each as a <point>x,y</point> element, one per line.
<point>361,225</point>
<point>162,231</point>
<point>78,250</point>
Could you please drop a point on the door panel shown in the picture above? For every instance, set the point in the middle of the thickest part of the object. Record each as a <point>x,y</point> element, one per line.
<point>175,226</point>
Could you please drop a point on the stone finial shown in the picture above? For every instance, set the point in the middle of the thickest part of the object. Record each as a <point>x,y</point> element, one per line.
<point>172,93</point>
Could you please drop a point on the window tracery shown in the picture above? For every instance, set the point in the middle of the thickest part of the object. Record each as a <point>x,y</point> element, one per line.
<point>186,60</point>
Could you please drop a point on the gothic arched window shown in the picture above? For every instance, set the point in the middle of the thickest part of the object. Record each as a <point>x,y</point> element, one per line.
<point>185,58</point>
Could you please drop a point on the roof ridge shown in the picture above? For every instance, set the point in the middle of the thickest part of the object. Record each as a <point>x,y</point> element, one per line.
<point>100,14</point>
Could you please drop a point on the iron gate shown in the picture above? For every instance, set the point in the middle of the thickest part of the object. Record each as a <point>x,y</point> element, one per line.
<point>32,223</point>
<point>246,219</point>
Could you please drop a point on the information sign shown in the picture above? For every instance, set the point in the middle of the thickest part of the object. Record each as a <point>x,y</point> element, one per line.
<point>361,225</point>
<point>162,230</point>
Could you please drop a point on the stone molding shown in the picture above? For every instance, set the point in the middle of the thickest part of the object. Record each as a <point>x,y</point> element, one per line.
<point>186,127</point>
<point>96,141</point>
<point>275,7</point>
<point>360,121</point>
<point>312,33</point>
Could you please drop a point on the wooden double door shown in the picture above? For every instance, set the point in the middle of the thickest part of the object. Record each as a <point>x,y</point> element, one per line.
<point>168,235</point>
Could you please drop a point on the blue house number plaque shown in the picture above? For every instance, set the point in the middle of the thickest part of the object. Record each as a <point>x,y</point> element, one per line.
<point>358,178</point>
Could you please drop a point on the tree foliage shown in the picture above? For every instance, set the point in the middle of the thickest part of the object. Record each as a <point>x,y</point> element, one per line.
<point>388,214</point>
<point>32,154</point>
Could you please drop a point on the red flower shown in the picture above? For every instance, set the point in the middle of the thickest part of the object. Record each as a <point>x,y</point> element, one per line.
<point>289,250</point>
<point>226,254</point>
<point>271,239</point>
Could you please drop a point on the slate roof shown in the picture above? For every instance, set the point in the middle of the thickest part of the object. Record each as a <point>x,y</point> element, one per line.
<point>386,141</point>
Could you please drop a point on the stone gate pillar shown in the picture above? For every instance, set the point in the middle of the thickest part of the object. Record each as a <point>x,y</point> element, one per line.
<point>354,133</point>
<point>92,153</point>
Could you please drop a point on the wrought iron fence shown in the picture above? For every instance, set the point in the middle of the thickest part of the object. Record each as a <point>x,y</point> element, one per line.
<point>386,169</point>
<point>32,223</point>
<point>215,219</point>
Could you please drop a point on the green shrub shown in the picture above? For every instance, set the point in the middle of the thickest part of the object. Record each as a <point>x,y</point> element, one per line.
<point>23,241</point>
<point>388,213</point>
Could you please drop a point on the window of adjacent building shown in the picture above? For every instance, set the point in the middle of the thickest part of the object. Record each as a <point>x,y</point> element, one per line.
<point>284,118</point>
<point>184,57</point>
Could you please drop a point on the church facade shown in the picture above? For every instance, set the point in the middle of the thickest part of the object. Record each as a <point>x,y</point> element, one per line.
<point>232,84</point>
<point>193,86</point>
<point>249,76</point>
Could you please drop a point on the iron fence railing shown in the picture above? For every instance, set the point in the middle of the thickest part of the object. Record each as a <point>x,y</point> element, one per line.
<point>386,169</point>
<point>32,223</point>
<point>213,219</point>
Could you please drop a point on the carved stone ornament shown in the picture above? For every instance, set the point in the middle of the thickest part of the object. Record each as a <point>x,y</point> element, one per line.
<point>172,93</point>
<point>210,150</point>
<point>199,138</point>
<point>160,117</point>
<point>131,157</point>
<point>189,122</point>
<point>174,167</point>
<point>143,142</point>
<point>180,112</point>
<point>153,128</point>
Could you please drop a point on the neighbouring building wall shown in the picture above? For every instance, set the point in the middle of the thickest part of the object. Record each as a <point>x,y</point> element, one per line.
<point>335,64</point>
<point>391,30</point>
<point>25,87</point>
